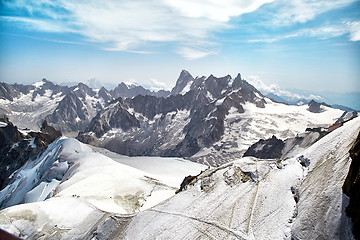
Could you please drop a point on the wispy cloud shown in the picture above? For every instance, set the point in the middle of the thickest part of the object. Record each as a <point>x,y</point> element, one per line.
<point>323,32</point>
<point>192,53</point>
<point>301,11</point>
<point>354,30</point>
<point>275,89</point>
<point>156,85</point>
<point>219,11</point>
<point>38,24</point>
<point>131,24</point>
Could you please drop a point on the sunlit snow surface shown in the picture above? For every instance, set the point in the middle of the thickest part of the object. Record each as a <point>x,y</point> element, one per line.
<point>83,184</point>
<point>26,111</point>
<point>225,204</point>
<point>244,129</point>
<point>245,199</point>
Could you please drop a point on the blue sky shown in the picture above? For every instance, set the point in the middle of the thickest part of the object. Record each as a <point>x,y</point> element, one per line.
<point>299,44</point>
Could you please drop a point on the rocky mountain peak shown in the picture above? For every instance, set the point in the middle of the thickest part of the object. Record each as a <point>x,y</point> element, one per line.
<point>132,90</point>
<point>19,146</point>
<point>183,83</point>
<point>105,94</point>
<point>83,90</point>
<point>315,107</point>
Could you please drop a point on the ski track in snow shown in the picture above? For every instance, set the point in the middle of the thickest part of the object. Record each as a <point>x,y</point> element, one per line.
<point>264,208</point>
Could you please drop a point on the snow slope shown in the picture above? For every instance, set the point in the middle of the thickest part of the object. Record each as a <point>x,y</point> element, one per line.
<point>244,129</point>
<point>85,184</point>
<point>259,199</point>
<point>245,199</point>
<point>321,201</point>
<point>26,111</point>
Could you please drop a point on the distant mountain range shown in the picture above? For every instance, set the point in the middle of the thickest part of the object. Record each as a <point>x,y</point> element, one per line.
<point>291,101</point>
<point>254,167</point>
<point>207,119</point>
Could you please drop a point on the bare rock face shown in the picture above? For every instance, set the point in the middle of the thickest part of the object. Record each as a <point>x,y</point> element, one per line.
<point>351,188</point>
<point>70,114</point>
<point>191,118</point>
<point>315,107</point>
<point>266,149</point>
<point>129,91</point>
<point>115,117</point>
<point>17,148</point>
<point>184,79</point>
<point>346,116</point>
<point>10,92</point>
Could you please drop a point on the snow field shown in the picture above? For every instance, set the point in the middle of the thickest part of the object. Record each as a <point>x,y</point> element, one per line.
<point>92,186</point>
<point>220,206</point>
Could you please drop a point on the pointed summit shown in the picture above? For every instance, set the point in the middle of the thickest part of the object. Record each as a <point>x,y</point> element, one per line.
<point>183,83</point>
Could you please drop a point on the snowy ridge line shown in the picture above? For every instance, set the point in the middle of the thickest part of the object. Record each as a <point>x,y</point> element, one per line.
<point>320,192</point>
<point>28,176</point>
<point>273,215</point>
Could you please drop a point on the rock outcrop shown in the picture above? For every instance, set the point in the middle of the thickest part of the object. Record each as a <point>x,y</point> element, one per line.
<point>191,118</point>
<point>16,148</point>
<point>266,149</point>
<point>315,107</point>
<point>351,188</point>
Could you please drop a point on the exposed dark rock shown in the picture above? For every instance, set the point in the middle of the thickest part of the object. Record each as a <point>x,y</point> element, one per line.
<point>315,107</point>
<point>51,132</point>
<point>188,180</point>
<point>266,149</point>
<point>351,188</point>
<point>305,162</point>
<point>346,116</point>
<point>49,86</point>
<point>115,117</point>
<point>16,148</point>
<point>129,91</point>
<point>70,114</point>
<point>149,106</point>
<point>208,100</point>
<point>216,85</point>
<point>105,94</point>
<point>11,91</point>
<point>184,79</point>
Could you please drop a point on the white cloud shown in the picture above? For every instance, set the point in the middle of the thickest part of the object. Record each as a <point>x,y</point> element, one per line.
<point>157,85</point>
<point>301,11</point>
<point>192,53</point>
<point>275,89</point>
<point>129,25</point>
<point>132,25</point>
<point>215,10</point>
<point>39,25</point>
<point>354,30</point>
<point>265,40</point>
<point>324,32</point>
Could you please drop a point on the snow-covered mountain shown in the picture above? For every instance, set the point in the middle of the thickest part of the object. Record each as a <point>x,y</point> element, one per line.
<point>69,109</point>
<point>20,146</point>
<point>75,111</point>
<point>131,90</point>
<point>288,185</point>
<point>28,105</point>
<point>92,193</point>
<point>209,120</point>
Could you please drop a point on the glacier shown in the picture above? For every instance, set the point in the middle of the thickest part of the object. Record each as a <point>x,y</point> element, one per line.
<point>103,195</point>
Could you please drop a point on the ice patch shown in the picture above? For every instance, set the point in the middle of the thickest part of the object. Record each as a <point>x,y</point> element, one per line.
<point>219,101</point>
<point>186,88</point>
